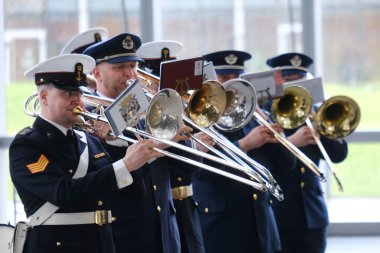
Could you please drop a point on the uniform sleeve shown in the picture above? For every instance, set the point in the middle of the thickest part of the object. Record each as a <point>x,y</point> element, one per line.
<point>336,149</point>
<point>281,158</point>
<point>39,172</point>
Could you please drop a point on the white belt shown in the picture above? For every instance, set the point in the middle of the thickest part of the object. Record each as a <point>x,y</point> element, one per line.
<point>99,217</point>
<point>182,192</point>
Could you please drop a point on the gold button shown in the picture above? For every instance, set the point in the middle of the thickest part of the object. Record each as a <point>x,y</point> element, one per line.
<point>206,210</point>
<point>113,219</point>
<point>254,196</point>
<point>58,244</point>
<point>155,187</point>
<point>124,181</point>
<point>159,208</point>
<point>302,170</point>
<point>179,179</point>
<point>302,184</point>
<point>100,203</point>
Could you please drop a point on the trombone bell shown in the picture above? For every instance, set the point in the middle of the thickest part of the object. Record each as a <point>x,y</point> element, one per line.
<point>337,117</point>
<point>207,104</point>
<point>241,103</point>
<point>164,114</point>
<point>291,110</point>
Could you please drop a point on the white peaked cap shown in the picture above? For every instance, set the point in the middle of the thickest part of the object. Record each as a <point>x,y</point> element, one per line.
<point>153,50</point>
<point>62,63</point>
<point>86,38</point>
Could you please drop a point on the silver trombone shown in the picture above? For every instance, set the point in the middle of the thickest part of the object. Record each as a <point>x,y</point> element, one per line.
<point>94,116</point>
<point>204,107</point>
<point>197,105</point>
<point>157,119</point>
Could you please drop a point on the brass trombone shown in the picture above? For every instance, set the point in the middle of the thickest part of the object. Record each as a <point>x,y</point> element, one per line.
<point>336,118</point>
<point>204,108</point>
<point>33,99</point>
<point>290,146</point>
<point>157,119</point>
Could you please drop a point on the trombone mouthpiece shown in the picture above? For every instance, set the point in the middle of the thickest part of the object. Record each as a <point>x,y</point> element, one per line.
<point>78,110</point>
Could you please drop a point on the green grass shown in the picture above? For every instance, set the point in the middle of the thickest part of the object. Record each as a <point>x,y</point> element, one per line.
<point>359,173</point>
<point>367,98</point>
<point>16,95</point>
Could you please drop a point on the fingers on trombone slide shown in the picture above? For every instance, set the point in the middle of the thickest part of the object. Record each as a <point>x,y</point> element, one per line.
<point>150,145</point>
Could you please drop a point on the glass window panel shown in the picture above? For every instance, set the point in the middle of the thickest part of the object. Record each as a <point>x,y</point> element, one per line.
<point>359,172</point>
<point>351,55</point>
<point>38,29</point>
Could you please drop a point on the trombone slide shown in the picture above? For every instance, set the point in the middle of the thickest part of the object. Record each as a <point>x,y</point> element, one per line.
<point>237,154</point>
<point>326,157</point>
<point>290,146</point>
<point>202,165</point>
<point>258,186</point>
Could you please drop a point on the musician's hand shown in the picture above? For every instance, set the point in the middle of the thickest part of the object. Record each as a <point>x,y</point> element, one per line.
<point>182,133</point>
<point>276,127</point>
<point>205,139</point>
<point>302,137</point>
<point>102,130</point>
<point>256,138</point>
<point>140,153</point>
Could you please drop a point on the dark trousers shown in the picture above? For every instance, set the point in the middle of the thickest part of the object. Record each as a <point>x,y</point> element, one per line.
<point>303,240</point>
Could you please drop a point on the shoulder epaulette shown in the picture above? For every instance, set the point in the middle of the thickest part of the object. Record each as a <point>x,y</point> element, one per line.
<point>26,131</point>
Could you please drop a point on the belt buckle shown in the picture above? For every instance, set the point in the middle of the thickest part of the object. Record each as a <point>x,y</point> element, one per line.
<point>181,192</point>
<point>101,217</point>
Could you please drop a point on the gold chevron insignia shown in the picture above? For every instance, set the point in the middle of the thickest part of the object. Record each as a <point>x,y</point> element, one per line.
<point>99,155</point>
<point>38,166</point>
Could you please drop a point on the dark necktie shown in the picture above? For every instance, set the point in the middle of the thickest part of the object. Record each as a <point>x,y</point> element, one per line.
<point>70,136</point>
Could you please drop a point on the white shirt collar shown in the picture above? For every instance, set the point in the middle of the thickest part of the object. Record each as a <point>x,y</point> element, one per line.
<point>60,127</point>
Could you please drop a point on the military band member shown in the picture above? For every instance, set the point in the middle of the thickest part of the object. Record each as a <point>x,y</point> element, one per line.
<point>148,223</point>
<point>190,232</point>
<point>302,217</point>
<point>83,40</point>
<point>236,217</point>
<point>65,178</point>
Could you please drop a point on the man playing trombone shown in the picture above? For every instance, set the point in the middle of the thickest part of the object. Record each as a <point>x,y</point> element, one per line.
<point>65,178</point>
<point>302,217</point>
<point>235,217</point>
<point>190,232</point>
<point>145,223</point>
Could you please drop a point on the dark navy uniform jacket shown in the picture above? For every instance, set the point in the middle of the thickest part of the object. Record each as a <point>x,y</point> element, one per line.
<point>148,224</point>
<point>42,163</point>
<point>236,217</point>
<point>186,212</point>
<point>304,206</point>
